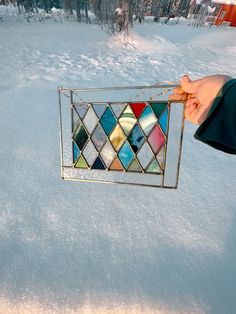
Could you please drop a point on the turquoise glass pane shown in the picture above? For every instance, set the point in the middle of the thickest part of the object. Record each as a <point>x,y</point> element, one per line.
<point>98,164</point>
<point>108,121</point>
<point>80,136</point>
<point>163,121</point>
<point>147,120</point>
<point>99,109</point>
<point>76,152</point>
<point>126,154</point>
<point>136,138</point>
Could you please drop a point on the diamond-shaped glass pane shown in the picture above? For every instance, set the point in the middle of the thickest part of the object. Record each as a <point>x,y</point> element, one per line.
<point>135,166</point>
<point>127,120</point>
<point>108,154</point>
<point>136,138</point>
<point>117,137</point>
<point>90,120</point>
<point>145,155</point>
<point>156,138</point>
<point>80,136</point>
<point>81,109</point>
<point>118,108</point>
<point>158,108</point>
<point>99,109</point>
<point>163,121</point>
<point>126,154</point>
<point>116,165</point>
<point>138,108</point>
<point>90,153</point>
<point>108,121</point>
<point>99,137</point>
<point>147,120</point>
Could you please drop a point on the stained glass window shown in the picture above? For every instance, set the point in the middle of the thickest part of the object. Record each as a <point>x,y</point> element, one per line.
<point>134,140</point>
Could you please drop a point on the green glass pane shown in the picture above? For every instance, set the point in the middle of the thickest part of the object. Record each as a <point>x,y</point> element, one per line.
<point>158,108</point>
<point>154,167</point>
<point>80,136</point>
<point>135,166</point>
<point>127,120</point>
<point>81,163</point>
<point>117,137</point>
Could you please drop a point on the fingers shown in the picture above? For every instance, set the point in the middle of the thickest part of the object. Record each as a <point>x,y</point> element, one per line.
<point>189,86</point>
<point>178,97</point>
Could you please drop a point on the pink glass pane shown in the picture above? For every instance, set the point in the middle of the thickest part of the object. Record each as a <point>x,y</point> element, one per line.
<point>156,138</point>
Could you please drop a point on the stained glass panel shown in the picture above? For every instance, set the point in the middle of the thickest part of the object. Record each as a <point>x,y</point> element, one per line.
<point>128,138</point>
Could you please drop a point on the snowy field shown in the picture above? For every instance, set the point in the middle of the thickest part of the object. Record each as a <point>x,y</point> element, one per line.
<point>68,247</point>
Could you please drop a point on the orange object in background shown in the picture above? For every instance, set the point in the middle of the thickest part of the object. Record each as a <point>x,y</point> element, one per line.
<point>227,13</point>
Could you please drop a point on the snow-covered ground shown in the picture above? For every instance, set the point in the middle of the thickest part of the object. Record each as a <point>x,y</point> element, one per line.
<point>68,247</point>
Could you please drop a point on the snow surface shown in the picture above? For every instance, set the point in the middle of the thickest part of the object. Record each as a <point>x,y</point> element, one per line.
<point>68,247</point>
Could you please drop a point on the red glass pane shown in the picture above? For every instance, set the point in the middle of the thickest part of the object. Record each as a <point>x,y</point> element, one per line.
<point>156,138</point>
<point>138,108</point>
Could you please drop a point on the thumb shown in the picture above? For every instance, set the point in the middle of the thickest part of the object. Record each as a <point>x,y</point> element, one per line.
<point>187,85</point>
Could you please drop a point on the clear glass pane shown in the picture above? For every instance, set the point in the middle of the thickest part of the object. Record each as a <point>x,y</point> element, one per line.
<point>99,109</point>
<point>117,137</point>
<point>118,108</point>
<point>108,154</point>
<point>90,120</point>
<point>161,157</point>
<point>81,109</point>
<point>147,120</point>
<point>145,155</point>
<point>127,120</point>
<point>90,153</point>
<point>99,137</point>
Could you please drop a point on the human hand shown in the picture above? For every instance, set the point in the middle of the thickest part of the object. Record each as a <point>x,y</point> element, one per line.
<point>199,95</point>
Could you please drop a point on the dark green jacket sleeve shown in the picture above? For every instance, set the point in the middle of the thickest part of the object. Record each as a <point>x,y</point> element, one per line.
<point>219,129</point>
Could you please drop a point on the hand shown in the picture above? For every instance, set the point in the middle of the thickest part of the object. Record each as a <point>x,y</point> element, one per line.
<point>199,95</point>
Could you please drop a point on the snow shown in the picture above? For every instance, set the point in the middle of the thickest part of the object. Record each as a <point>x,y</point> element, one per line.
<point>68,247</point>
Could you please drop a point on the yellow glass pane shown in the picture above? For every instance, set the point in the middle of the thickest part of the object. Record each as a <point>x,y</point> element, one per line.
<point>117,137</point>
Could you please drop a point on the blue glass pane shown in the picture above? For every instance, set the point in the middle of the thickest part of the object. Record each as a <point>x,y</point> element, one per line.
<point>163,121</point>
<point>98,164</point>
<point>99,109</point>
<point>126,154</point>
<point>108,121</point>
<point>147,120</point>
<point>76,152</point>
<point>136,138</point>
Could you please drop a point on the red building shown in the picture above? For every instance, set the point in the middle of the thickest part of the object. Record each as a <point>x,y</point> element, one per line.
<point>227,12</point>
